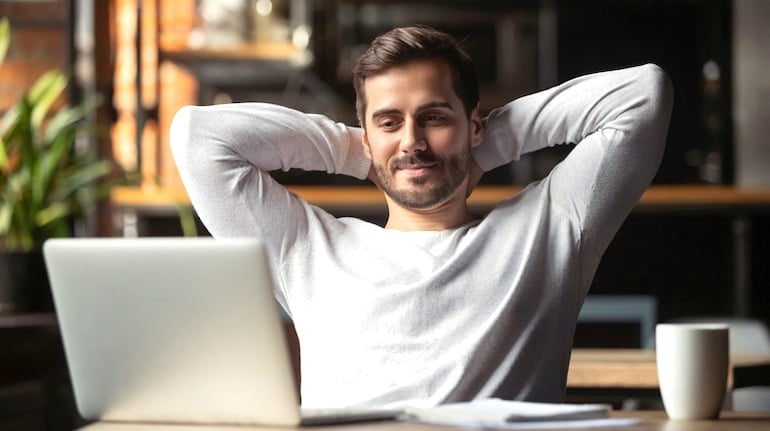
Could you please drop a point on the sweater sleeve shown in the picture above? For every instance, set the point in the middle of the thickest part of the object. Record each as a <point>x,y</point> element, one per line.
<point>619,119</point>
<point>224,154</point>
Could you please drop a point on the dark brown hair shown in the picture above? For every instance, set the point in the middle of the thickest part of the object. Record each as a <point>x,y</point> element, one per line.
<point>407,44</point>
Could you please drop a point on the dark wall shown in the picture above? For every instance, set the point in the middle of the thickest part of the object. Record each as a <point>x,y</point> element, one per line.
<point>681,36</point>
<point>687,261</point>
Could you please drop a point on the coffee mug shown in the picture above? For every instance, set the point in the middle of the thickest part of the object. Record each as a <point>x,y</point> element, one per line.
<point>692,361</point>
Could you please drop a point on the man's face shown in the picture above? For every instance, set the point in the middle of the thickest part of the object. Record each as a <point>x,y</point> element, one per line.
<point>418,135</point>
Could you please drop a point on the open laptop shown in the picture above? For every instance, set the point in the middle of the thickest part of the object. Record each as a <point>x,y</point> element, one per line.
<point>176,330</point>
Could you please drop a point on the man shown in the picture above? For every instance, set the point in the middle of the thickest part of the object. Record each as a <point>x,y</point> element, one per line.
<point>436,306</point>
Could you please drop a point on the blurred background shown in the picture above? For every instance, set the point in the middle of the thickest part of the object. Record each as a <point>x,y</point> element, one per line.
<point>147,58</point>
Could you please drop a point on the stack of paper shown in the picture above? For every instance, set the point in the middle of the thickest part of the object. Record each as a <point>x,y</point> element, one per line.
<point>496,412</point>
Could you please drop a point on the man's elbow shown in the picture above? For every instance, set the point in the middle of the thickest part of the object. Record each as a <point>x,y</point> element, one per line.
<point>179,130</point>
<point>661,91</point>
<point>182,137</point>
<point>182,131</point>
<point>660,97</point>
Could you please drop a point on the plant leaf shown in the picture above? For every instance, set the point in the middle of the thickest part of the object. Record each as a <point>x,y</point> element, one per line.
<point>20,230</point>
<point>63,204</point>
<point>55,155</point>
<point>9,120</point>
<point>186,219</point>
<point>44,92</point>
<point>67,118</point>
<point>5,38</point>
<point>3,156</point>
<point>6,211</point>
<point>9,127</point>
<point>53,212</point>
<point>81,176</point>
<point>24,142</point>
<point>44,182</point>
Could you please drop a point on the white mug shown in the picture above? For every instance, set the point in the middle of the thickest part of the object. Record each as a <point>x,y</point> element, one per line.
<point>692,361</point>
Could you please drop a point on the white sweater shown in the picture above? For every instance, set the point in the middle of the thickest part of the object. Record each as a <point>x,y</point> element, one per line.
<point>391,318</point>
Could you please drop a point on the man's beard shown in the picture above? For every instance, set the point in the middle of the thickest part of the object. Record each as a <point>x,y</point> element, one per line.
<point>454,170</point>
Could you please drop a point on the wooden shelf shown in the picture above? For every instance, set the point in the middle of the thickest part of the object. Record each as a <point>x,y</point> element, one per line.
<point>696,197</point>
<point>370,199</point>
<point>262,51</point>
<point>28,320</point>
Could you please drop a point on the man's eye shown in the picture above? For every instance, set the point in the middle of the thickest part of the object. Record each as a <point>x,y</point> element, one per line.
<point>388,124</point>
<point>434,119</point>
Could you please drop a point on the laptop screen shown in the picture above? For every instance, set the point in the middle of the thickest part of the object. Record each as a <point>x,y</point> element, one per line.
<point>181,330</point>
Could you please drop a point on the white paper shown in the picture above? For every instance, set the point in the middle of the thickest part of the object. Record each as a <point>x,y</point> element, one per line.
<point>497,412</point>
<point>585,423</point>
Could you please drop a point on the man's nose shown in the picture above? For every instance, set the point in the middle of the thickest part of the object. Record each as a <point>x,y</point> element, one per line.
<point>413,139</point>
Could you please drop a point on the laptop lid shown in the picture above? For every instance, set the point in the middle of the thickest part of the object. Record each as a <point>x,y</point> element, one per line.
<point>181,330</point>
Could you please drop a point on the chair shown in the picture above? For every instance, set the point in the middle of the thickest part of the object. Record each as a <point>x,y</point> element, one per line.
<point>640,309</point>
<point>749,337</point>
<point>750,399</point>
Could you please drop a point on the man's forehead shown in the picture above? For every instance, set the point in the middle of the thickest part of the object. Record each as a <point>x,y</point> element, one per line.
<point>416,85</point>
<point>433,67</point>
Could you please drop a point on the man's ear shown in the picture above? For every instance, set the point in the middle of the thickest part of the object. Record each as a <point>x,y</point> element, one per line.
<point>365,143</point>
<point>477,127</point>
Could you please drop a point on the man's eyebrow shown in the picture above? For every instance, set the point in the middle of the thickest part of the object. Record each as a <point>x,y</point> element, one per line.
<point>423,107</point>
<point>432,105</point>
<point>384,112</point>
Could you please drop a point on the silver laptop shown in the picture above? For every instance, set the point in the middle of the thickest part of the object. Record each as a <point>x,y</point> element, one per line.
<point>176,330</point>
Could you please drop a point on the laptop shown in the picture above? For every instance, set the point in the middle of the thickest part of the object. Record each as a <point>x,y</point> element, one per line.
<point>177,331</point>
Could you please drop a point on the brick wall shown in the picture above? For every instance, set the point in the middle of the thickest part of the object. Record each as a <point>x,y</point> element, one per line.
<point>177,86</point>
<point>40,41</point>
<point>165,86</point>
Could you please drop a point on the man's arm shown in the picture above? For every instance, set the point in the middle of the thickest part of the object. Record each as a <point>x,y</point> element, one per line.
<point>224,154</point>
<point>619,119</point>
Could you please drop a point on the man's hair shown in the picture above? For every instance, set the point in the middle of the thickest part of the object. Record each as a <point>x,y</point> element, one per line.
<point>407,44</point>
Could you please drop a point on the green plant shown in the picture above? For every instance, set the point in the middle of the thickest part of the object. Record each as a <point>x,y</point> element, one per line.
<point>45,183</point>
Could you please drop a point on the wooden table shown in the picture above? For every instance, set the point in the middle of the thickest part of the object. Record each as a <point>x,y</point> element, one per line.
<point>646,421</point>
<point>636,369</point>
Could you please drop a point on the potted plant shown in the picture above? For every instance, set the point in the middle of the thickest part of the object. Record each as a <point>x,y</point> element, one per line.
<point>45,184</point>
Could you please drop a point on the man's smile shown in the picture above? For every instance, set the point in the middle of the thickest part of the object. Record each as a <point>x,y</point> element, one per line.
<point>418,169</point>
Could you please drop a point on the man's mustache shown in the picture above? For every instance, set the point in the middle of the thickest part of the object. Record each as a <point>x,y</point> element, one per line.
<point>413,160</point>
